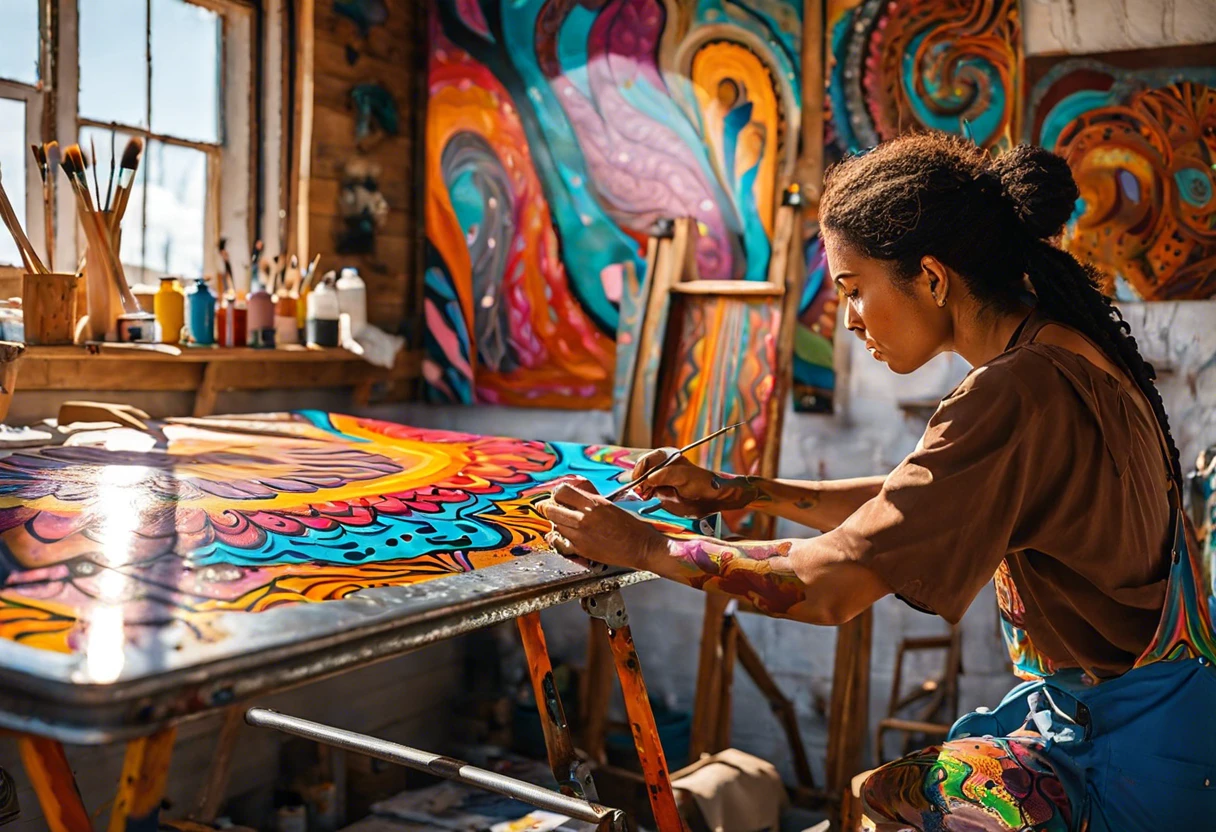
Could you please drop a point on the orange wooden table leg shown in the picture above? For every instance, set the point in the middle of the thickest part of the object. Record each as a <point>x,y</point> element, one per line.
<point>573,775</point>
<point>145,769</point>
<point>47,767</point>
<point>610,608</point>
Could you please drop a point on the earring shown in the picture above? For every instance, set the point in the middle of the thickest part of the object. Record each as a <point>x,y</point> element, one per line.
<point>941,302</point>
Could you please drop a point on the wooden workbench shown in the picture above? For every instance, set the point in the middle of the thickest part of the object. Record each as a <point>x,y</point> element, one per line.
<point>205,371</point>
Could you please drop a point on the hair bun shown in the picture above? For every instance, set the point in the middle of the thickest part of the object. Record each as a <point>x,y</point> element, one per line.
<point>1039,185</point>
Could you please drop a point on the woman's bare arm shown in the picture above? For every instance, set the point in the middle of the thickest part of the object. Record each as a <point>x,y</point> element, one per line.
<point>822,505</point>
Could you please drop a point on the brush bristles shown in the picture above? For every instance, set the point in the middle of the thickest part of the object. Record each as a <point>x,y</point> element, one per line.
<point>132,153</point>
<point>73,160</point>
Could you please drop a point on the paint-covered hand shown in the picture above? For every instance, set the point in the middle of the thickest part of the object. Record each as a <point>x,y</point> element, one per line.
<point>586,525</point>
<point>688,490</point>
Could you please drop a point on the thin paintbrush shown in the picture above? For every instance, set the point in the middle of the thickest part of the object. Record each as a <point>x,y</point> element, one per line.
<point>229,284</point>
<point>312,271</point>
<point>113,171</point>
<point>48,229</point>
<point>24,247</point>
<point>126,179</point>
<point>96,183</point>
<point>671,457</point>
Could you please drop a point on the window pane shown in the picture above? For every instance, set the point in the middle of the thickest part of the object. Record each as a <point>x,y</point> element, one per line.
<point>177,199</point>
<point>13,153</point>
<point>185,71</point>
<point>19,55</point>
<point>132,243</point>
<point>113,61</point>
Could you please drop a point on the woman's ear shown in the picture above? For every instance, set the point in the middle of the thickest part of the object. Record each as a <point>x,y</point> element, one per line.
<point>937,277</point>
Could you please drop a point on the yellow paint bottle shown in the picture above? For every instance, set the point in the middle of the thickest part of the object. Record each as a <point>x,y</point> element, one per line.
<point>169,305</point>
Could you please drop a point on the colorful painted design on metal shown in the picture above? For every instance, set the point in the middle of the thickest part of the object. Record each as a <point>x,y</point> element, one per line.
<point>737,338</point>
<point>557,133</point>
<point>1186,629</point>
<point>1141,143</point>
<point>116,541</point>
<point>989,784</point>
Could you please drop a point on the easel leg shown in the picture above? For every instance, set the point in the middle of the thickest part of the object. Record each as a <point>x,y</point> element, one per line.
<point>849,713</point>
<point>730,649</point>
<point>145,770</point>
<point>596,693</point>
<point>572,775</point>
<point>610,608</point>
<point>47,767</point>
<point>707,701</point>
<point>211,795</point>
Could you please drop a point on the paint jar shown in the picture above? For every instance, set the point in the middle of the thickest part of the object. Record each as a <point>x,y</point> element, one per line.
<point>321,321</point>
<point>231,321</point>
<point>200,304</point>
<point>137,326</point>
<point>286,327</point>
<point>260,318</point>
<point>170,307</point>
<point>352,300</point>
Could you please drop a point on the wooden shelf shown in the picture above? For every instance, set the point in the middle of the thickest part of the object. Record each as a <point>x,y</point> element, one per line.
<point>207,371</point>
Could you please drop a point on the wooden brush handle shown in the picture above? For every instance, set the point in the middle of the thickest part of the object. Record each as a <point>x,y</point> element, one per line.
<point>28,254</point>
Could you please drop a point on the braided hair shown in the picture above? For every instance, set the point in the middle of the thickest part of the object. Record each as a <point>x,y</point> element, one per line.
<point>990,220</point>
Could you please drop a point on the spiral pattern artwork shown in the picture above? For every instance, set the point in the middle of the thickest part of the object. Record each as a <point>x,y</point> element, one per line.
<point>557,133</point>
<point>247,515</point>
<point>1141,144</point>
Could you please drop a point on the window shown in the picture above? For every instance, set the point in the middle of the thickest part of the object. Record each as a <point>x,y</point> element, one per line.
<point>20,117</point>
<point>157,69</point>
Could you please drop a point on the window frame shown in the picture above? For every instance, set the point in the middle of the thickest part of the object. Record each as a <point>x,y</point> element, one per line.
<point>230,164</point>
<point>34,96</point>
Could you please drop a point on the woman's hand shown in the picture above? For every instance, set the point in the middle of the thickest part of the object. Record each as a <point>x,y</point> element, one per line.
<point>585,524</point>
<point>688,490</point>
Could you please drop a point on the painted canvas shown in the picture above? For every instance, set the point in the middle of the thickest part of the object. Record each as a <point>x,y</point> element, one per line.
<point>115,540</point>
<point>891,68</point>
<point>717,383</point>
<point>557,133</point>
<point>1139,131</point>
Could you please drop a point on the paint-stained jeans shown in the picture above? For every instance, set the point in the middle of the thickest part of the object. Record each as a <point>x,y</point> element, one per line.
<point>1134,754</point>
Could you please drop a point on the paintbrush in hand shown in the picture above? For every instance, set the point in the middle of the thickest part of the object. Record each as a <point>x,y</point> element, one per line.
<point>671,457</point>
<point>126,179</point>
<point>28,255</point>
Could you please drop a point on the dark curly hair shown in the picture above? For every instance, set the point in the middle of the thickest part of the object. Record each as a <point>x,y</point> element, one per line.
<point>991,221</point>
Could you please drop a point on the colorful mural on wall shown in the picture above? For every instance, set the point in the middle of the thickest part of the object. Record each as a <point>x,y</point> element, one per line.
<point>891,68</point>
<point>1142,144</point>
<point>115,537</point>
<point>557,133</point>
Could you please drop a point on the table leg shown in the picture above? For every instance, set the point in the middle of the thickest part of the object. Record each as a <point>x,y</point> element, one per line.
<point>208,391</point>
<point>145,769</point>
<point>47,767</point>
<point>573,775</point>
<point>610,608</point>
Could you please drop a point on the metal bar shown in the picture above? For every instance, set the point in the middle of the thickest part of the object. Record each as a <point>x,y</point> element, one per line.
<point>51,776</point>
<point>145,770</point>
<point>438,765</point>
<point>610,608</point>
<point>572,775</point>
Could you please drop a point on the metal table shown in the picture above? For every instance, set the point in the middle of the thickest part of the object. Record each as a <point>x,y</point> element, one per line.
<point>153,575</point>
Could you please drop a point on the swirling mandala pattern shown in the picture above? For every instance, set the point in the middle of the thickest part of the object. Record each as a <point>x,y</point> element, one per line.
<point>558,132</point>
<point>1142,145</point>
<point>246,515</point>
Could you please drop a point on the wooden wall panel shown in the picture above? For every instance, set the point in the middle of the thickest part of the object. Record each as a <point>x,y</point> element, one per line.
<point>394,55</point>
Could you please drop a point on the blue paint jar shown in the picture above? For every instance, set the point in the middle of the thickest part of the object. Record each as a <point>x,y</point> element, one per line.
<point>201,314</point>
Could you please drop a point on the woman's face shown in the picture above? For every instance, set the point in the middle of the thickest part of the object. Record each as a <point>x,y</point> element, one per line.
<point>901,323</point>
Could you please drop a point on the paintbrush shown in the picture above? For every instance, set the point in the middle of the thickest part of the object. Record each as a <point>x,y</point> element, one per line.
<point>228,284</point>
<point>99,237</point>
<point>45,170</point>
<point>28,255</point>
<point>96,183</point>
<point>312,271</point>
<point>113,170</point>
<point>126,179</point>
<point>671,457</point>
